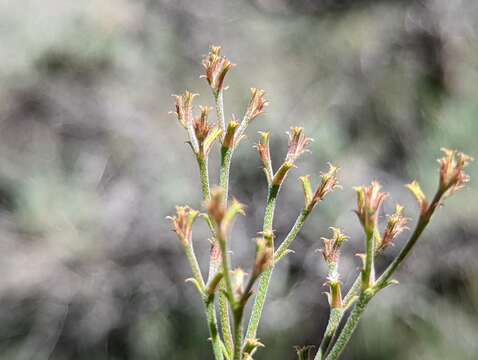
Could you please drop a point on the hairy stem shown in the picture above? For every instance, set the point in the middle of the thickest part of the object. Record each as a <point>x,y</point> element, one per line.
<point>217,344</point>
<point>383,280</point>
<point>349,326</point>
<point>204,174</point>
<point>332,326</point>
<point>225,320</point>
<point>219,102</point>
<point>238,333</point>
<point>368,272</point>
<point>265,278</point>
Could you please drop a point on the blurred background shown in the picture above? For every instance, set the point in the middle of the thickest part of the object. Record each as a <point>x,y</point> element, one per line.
<point>91,164</point>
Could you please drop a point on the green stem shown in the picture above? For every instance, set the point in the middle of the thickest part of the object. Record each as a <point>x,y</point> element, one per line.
<point>225,320</point>
<point>368,272</point>
<point>204,174</point>
<point>193,263</point>
<point>226,155</point>
<point>265,278</point>
<point>220,111</point>
<point>238,333</point>
<point>349,326</point>
<point>212,321</point>
<point>332,326</point>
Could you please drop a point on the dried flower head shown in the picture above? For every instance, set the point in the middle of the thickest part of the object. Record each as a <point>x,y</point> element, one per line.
<point>452,174</point>
<point>256,104</point>
<point>396,224</point>
<point>184,108</point>
<point>331,250</point>
<point>183,223</point>
<point>216,67</point>
<point>369,200</point>
<point>417,192</point>
<point>297,143</point>
<point>328,183</point>
<point>205,132</point>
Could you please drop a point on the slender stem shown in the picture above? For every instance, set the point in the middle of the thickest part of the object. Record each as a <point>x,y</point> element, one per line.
<point>349,326</point>
<point>282,250</point>
<point>332,325</point>
<point>238,333</point>
<point>368,272</point>
<point>204,174</point>
<point>265,278</point>
<point>225,320</point>
<point>226,155</point>
<point>193,263</point>
<point>217,345</point>
<point>220,111</point>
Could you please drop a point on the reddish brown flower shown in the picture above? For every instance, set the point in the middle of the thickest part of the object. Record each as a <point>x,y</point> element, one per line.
<point>331,250</point>
<point>297,143</point>
<point>205,132</point>
<point>452,174</point>
<point>216,67</point>
<point>369,200</point>
<point>396,224</point>
<point>256,104</point>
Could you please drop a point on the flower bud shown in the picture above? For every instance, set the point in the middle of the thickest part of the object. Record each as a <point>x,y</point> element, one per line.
<point>452,174</point>
<point>264,152</point>
<point>417,192</point>
<point>229,141</point>
<point>396,224</point>
<point>327,184</point>
<point>237,282</point>
<point>369,200</point>
<point>216,67</point>
<point>264,254</point>
<point>331,250</point>
<point>183,222</point>
<point>221,215</point>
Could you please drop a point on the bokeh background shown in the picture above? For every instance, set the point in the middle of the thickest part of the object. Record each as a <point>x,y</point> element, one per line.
<point>91,164</point>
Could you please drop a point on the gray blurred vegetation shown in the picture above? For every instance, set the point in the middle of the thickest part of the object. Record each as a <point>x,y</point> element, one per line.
<point>91,163</point>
